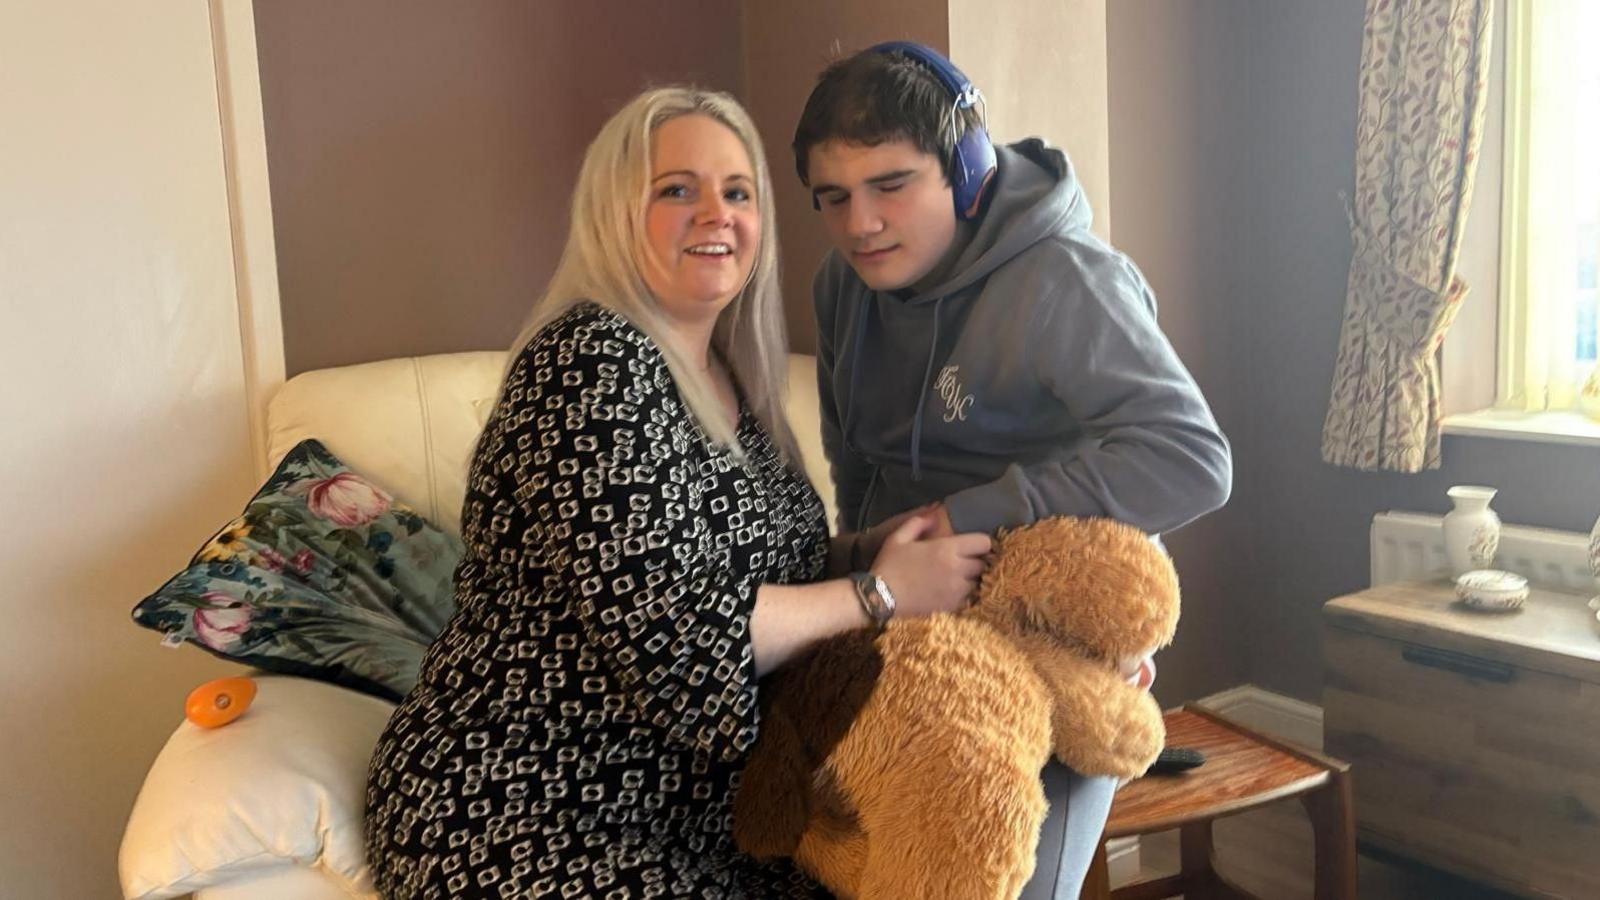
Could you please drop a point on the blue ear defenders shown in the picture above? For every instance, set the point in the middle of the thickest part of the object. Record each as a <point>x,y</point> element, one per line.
<point>974,153</point>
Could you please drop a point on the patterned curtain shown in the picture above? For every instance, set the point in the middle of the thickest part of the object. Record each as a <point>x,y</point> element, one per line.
<point>1424,65</point>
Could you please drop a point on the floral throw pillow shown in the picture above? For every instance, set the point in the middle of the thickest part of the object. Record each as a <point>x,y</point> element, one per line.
<point>324,575</point>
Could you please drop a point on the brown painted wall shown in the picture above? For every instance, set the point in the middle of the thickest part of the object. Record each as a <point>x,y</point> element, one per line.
<point>422,154</point>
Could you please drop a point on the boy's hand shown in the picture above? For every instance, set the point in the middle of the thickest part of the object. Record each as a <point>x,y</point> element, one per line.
<point>1140,672</point>
<point>941,520</point>
<point>871,541</point>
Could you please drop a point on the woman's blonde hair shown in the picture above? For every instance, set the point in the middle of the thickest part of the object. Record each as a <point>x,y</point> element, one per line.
<point>606,246</point>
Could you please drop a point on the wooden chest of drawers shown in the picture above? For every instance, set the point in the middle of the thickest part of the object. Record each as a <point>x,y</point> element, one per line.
<point>1474,738</point>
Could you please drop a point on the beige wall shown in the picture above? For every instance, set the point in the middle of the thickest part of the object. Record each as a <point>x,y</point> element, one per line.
<point>1041,65</point>
<point>123,422</point>
<point>422,154</point>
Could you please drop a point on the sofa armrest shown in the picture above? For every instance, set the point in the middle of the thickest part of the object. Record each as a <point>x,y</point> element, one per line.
<point>284,785</point>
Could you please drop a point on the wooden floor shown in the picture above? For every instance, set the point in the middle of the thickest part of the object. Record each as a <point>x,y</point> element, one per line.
<point>1268,852</point>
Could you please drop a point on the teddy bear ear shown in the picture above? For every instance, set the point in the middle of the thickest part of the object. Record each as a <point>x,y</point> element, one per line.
<point>1105,584</point>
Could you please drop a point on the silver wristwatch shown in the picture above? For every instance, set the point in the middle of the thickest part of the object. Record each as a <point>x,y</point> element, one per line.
<point>876,600</point>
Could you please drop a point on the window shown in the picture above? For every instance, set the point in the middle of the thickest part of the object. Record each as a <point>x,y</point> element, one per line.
<point>1551,227</point>
<point>1546,169</point>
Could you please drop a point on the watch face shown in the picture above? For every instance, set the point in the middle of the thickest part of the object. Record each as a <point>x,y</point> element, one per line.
<point>884,597</point>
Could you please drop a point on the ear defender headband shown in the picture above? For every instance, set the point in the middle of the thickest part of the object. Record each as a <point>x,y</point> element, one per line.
<point>974,153</point>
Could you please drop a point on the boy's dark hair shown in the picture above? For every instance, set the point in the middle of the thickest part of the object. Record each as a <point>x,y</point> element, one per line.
<point>873,98</point>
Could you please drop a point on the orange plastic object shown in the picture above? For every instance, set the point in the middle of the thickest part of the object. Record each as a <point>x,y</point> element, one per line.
<point>216,703</point>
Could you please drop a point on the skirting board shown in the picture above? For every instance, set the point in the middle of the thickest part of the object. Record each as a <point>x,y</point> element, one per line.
<point>1122,859</point>
<point>1274,714</point>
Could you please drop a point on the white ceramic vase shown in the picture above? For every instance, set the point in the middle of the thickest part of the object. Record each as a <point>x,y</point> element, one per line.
<point>1471,529</point>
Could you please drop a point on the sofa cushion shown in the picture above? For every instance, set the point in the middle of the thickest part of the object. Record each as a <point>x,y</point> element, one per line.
<point>281,787</point>
<point>323,575</point>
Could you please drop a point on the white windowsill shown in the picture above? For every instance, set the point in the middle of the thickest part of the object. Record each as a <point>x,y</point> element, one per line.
<point>1542,427</point>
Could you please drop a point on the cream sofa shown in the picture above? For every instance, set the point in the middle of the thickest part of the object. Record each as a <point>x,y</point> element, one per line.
<point>270,806</point>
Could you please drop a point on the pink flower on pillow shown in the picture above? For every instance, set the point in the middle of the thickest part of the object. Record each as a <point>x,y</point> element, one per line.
<point>303,561</point>
<point>346,499</point>
<point>270,559</point>
<point>220,625</point>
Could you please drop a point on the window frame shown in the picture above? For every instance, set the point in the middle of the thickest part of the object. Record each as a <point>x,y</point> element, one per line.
<point>1507,413</point>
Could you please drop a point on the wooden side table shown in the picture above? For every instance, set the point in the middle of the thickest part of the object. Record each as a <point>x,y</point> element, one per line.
<point>1244,769</point>
<point>1477,735</point>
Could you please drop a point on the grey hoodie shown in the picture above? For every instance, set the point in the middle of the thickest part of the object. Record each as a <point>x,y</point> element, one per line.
<point>1033,381</point>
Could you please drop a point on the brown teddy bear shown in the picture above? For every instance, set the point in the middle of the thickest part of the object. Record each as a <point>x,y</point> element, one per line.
<point>905,763</point>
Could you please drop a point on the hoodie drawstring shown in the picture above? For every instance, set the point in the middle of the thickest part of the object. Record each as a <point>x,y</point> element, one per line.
<point>855,372</point>
<point>922,397</point>
<point>850,408</point>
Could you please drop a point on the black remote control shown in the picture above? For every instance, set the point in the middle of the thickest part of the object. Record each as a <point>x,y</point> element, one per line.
<point>1174,760</point>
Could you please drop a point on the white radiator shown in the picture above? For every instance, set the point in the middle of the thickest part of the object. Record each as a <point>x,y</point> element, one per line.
<point>1410,547</point>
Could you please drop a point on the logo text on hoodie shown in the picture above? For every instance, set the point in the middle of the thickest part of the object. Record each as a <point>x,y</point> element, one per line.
<point>956,402</point>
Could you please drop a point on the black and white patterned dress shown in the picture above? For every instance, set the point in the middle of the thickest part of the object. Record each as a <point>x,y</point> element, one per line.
<point>578,728</point>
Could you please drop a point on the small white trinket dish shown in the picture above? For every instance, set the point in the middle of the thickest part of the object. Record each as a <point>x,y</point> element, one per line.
<point>1492,589</point>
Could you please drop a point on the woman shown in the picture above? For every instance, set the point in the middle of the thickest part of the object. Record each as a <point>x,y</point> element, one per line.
<point>640,548</point>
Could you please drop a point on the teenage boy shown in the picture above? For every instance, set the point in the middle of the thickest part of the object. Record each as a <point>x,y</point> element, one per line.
<point>983,358</point>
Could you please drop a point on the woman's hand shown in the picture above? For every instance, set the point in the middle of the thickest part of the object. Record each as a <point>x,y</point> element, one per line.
<point>930,575</point>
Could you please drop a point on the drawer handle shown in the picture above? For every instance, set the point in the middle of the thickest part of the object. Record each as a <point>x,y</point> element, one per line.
<point>1459,663</point>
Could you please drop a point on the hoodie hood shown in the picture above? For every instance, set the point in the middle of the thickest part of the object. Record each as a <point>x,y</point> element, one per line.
<point>1035,195</point>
